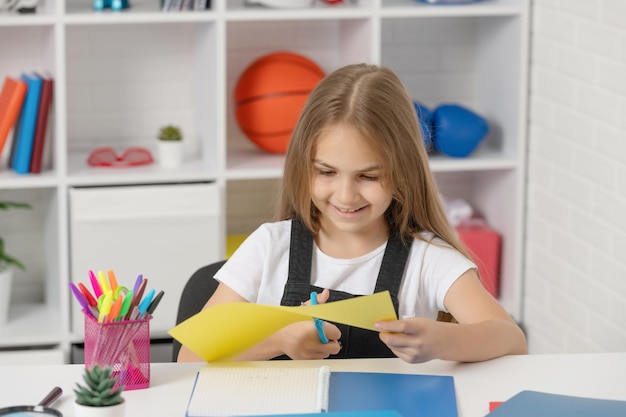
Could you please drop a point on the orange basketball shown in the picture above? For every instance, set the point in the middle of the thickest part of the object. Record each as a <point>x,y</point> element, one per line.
<point>270,95</point>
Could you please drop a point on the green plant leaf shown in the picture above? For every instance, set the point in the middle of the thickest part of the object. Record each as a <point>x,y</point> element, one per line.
<point>99,390</point>
<point>5,205</point>
<point>170,133</point>
<point>5,258</point>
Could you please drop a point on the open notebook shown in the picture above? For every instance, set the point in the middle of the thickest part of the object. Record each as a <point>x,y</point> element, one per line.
<point>250,391</point>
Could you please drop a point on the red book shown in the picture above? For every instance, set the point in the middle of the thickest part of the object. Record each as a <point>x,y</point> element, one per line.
<point>11,100</point>
<point>494,404</point>
<point>42,123</point>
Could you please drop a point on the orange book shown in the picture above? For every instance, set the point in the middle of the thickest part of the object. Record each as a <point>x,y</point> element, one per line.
<point>11,100</point>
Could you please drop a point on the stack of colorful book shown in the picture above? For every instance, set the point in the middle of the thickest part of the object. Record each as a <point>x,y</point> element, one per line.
<point>185,5</point>
<point>24,109</point>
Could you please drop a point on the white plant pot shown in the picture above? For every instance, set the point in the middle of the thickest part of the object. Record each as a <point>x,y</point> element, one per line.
<point>170,153</point>
<point>6,279</point>
<point>110,411</point>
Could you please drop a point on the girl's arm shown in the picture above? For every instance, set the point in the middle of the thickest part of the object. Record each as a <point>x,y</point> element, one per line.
<point>484,330</point>
<point>298,340</point>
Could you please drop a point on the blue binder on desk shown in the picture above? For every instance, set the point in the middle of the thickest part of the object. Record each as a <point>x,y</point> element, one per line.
<point>543,404</point>
<point>408,394</point>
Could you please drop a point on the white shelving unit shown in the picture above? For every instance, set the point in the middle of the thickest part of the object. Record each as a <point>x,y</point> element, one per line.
<point>120,75</point>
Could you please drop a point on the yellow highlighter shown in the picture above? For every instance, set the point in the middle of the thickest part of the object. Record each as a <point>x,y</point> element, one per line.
<point>105,308</point>
<point>102,280</point>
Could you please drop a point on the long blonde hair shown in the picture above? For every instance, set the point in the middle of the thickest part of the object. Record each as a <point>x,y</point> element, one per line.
<point>374,101</point>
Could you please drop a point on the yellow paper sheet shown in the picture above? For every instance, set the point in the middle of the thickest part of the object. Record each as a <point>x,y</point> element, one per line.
<point>227,330</point>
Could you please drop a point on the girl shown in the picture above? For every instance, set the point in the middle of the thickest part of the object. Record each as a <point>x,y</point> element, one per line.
<point>360,213</point>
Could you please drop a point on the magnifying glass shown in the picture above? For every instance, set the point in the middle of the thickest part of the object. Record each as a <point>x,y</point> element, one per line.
<point>38,410</point>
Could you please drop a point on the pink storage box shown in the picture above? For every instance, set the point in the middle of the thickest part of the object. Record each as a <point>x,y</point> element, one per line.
<point>484,245</point>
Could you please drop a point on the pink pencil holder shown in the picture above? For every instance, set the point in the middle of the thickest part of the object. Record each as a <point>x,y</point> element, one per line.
<point>124,346</point>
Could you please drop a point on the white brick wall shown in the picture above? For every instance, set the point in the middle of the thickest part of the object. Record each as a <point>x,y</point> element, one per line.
<point>575,298</point>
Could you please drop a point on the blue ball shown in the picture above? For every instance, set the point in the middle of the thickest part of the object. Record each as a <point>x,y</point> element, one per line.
<point>458,130</point>
<point>424,116</point>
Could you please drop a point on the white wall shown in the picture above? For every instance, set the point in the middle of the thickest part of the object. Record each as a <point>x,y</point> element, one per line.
<point>575,297</point>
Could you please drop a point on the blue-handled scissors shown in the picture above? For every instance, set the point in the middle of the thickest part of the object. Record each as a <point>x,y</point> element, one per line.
<point>318,322</point>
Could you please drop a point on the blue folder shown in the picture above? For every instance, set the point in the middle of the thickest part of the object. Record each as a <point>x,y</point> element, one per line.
<point>543,404</point>
<point>408,394</point>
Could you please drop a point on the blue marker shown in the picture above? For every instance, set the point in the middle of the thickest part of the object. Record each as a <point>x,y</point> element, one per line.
<point>145,303</point>
<point>318,322</point>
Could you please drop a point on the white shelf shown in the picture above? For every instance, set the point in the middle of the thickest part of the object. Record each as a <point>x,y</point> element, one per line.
<point>20,20</point>
<point>121,75</point>
<point>414,8</point>
<point>81,174</point>
<point>12,180</point>
<point>323,13</point>
<point>147,16</point>
<point>32,325</point>
<point>480,162</point>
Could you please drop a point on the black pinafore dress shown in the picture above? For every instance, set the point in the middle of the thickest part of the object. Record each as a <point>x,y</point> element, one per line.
<point>355,342</point>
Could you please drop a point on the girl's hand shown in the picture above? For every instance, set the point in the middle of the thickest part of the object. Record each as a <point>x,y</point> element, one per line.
<point>301,341</point>
<point>322,297</point>
<point>484,330</point>
<point>414,339</point>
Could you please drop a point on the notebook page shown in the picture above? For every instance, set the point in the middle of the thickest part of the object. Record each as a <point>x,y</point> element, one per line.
<point>241,391</point>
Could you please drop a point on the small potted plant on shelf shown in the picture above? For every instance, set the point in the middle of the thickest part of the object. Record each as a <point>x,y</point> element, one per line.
<point>7,265</point>
<point>99,398</point>
<point>170,146</point>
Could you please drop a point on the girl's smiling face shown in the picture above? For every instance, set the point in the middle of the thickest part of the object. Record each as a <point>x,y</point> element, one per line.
<point>347,186</point>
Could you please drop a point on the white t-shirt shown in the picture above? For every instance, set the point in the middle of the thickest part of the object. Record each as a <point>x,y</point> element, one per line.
<point>258,271</point>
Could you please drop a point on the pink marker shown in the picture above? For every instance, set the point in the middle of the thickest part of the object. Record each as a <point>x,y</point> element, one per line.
<point>94,283</point>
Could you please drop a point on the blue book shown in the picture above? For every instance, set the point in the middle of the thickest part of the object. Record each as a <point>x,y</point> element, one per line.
<point>409,395</point>
<point>27,124</point>
<point>543,404</point>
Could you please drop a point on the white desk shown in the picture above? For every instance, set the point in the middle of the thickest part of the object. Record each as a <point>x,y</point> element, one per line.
<point>592,375</point>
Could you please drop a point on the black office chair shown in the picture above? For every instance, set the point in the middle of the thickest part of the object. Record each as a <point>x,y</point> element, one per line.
<point>198,289</point>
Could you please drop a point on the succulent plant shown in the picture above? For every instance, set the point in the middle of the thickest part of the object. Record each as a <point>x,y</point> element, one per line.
<point>170,133</point>
<point>5,258</point>
<point>99,391</point>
